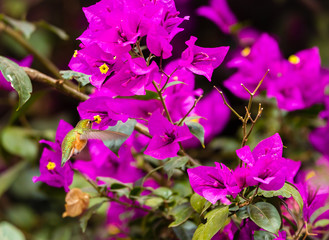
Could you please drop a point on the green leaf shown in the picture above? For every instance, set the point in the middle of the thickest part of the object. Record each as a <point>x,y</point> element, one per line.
<point>82,78</point>
<point>148,96</point>
<point>18,79</point>
<point>318,212</point>
<point>173,84</point>
<point>197,202</point>
<point>127,128</point>
<point>9,176</point>
<point>288,190</point>
<point>25,27</point>
<point>175,163</point>
<point>87,215</point>
<point>59,32</point>
<point>242,213</point>
<point>10,232</point>
<point>17,141</point>
<point>154,202</point>
<point>266,216</point>
<point>181,213</point>
<point>191,118</point>
<point>197,130</point>
<point>185,231</point>
<point>163,192</point>
<point>262,235</point>
<point>321,223</point>
<point>215,221</point>
<point>136,191</point>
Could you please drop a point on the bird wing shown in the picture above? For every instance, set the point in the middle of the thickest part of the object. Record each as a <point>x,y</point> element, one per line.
<point>102,135</point>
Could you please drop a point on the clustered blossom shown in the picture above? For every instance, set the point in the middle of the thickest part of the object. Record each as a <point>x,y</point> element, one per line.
<point>264,166</point>
<point>297,82</point>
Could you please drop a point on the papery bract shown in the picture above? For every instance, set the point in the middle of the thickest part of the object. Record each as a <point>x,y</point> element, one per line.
<point>50,162</point>
<point>165,137</point>
<point>213,183</point>
<point>202,61</point>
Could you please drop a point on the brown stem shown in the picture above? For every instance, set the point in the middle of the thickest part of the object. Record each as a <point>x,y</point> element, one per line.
<point>27,46</point>
<point>195,102</point>
<point>162,101</point>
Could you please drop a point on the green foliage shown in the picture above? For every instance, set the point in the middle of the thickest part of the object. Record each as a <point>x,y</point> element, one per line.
<point>10,175</point>
<point>24,27</point>
<point>262,235</point>
<point>197,130</point>
<point>181,213</point>
<point>82,78</point>
<point>288,190</point>
<point>17,141</point>
<point>185,231</point>
<point>18,79</point>
<point>173,83</point>
<point>87,215</point>
<point>216,219</point>
<point>266,216</point>
<point>10,232</point>
<point>175,163</point>
<point>127,128</point>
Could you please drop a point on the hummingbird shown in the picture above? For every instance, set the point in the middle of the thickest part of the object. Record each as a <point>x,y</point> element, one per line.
<point>76,139</point>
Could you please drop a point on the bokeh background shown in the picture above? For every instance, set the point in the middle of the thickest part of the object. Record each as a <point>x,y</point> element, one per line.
<point>36,208</point>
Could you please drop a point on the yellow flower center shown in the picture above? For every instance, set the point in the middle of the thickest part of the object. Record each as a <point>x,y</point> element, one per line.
<point>112,229</point>
<point>175,78</point>
<point>246,51</point>
<point>293,59</point>
<point>104,68</point>
<point>75,54</point>
<point>115,57</point>
<point>97,119</point>
<point>309,175</point>
<point>51,166</point>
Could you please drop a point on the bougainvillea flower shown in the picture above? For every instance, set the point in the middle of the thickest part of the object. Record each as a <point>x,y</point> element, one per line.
<point>213,183</point>
<point>165,137</point>
<point>202,61</point>
<point>294,86</point>
<point>220,13</point>
<point>50,162</point>
<point>92,60</point>
<point>132,78</point>
<point>265,165</point>
<point>104,163</point>
<point>252,63</point>
<point>4,84</point>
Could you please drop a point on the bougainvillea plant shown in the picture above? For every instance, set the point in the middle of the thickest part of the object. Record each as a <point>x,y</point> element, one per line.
<point>157,188</point>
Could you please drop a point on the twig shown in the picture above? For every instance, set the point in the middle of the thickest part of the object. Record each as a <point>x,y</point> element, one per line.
<point>195,102</point>
<point>27,46</point>
<point>162,101</point>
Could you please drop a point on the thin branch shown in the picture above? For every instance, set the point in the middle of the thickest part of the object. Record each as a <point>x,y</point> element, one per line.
<point>162,101</point>
<point>237,114</point>
<point>194,105</point>
<point>27,46</point>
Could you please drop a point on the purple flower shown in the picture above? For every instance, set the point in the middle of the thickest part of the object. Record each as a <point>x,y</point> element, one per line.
<point>4,84</point>
<point>104,163</point>
<point>202,61</point>
<point>213,183</point>
<point>92,60</point>
<point>50,162</point>
<point>265,165</point>
<point>132,78</point>
<point>220,13</point>
<point>165,137</point>
<point>294,86</point>
<point>252,63</point>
